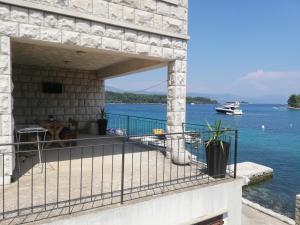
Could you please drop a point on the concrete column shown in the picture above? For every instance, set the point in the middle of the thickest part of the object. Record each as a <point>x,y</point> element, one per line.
<point>6,105</point>
<point>297,212</point>
<point>176,106</point>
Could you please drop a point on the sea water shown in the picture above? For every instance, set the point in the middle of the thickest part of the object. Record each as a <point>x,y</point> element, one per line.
<point>268,135</point>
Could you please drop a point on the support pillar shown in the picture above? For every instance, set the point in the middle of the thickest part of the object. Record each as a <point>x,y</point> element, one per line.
<point>7,153</point>
<point>176,106</point>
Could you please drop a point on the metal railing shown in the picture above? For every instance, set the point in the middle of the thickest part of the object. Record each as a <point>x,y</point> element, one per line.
<point>134,125</point>
<point>96,172</point>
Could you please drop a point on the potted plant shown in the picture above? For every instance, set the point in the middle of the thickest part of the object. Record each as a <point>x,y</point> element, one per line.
<point>102,122</point>
<point>217,151</point>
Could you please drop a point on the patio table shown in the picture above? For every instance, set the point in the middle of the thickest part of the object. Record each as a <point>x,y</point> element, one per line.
<point>54,128</point>
<point>32,130</point>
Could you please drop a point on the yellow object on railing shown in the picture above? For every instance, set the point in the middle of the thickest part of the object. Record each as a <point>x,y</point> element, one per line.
<point>158,131</point>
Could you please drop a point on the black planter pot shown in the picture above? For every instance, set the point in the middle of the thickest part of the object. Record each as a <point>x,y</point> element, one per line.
<point>217,158</point>
<point>102,126</point>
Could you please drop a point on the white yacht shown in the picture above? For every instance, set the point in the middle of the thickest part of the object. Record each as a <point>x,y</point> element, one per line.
<point>230,108</point>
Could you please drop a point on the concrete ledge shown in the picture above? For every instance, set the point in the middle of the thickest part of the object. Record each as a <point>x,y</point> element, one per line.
<point>178,207</point>
<point>253,172</point>
<point>269,212</point>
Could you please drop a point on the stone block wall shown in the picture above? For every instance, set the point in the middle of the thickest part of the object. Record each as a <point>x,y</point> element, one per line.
<point>81,99</point>
<point>25,23</point>
<point>6,119</point>
<point>164,15</point>
<point>297,213</point>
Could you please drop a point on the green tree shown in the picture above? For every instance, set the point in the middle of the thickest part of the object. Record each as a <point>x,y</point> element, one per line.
<point>294,101</point>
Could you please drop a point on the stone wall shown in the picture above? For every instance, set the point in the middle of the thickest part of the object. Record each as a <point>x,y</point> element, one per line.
<point>297,213</point>
<point>32,24</point>
<point>82,97</point>
<point>6,119</point>
<point>164,15</point>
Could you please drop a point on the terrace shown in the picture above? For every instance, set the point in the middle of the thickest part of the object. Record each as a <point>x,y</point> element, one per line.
<point>101,171</point>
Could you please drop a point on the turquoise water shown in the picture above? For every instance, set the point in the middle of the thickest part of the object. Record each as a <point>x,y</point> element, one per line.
<point>276,146</point>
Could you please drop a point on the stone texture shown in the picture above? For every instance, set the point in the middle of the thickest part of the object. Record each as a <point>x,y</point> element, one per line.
<point>114,32</point>
<point>66,23</point>
<point>128,46</point>
<point>163,8</point>
<point>81,5</point>
<point>142,49</point>
<point>4,45</point>
<point>83,26</point>
<point>4,12</point>
<point>157,14</point>
<point>19,14</point>
<point>128,14</point>
<point>29,31</point>
<point>156,51</point>
<point>115,11</point>
<point>50,34</point>
<point>148,5</point>
<point>5,84</point>
<point>112,44</point>
<point>9,28</point>
<point>51,20</point>
<point>82,97</point>
<point>98,29</point>
<point>5,107</point>
<point>130,35</point>
<point>143,37</point>
<point>5,64</point>
<point>100,7</point>
<point>36,17</point>
<point>154,40</point>
<point>172,25</point>
<point>61,3</point>
<point>71,38</point>
<point>91,41</point>
<point>144,18</point>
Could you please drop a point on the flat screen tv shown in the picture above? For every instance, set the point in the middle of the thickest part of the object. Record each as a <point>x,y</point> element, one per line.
<point>52,88</point>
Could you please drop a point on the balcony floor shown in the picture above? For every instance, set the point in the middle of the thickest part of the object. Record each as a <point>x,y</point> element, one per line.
<point>88,176</point>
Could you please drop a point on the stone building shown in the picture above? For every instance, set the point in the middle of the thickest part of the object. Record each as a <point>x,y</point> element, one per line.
<point>82,43</point>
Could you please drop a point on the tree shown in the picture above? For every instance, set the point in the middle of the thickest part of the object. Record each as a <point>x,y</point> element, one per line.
<point>294,101</point>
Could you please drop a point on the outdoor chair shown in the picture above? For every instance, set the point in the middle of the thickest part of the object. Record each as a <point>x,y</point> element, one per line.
<point>70,132</point>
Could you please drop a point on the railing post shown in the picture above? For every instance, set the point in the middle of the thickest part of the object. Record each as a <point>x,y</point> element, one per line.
<point>235,150</point>
<point>128,125</point>
<point>123,167</point>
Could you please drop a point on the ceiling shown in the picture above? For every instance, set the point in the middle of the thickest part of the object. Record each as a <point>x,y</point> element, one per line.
<point>61,56</point>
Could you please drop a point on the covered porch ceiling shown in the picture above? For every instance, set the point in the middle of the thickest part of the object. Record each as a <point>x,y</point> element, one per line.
<point>107,64</point>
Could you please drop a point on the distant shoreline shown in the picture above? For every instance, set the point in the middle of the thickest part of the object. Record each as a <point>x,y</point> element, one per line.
<point>294,108</point>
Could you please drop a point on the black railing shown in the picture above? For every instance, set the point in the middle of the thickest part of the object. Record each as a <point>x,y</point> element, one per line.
<point>95,172</point>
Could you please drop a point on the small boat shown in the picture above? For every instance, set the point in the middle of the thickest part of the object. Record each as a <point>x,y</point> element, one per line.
<point>192,103</point>
<point>230,108</point>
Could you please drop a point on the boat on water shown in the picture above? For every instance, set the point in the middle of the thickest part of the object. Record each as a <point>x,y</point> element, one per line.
<point>230,108</point>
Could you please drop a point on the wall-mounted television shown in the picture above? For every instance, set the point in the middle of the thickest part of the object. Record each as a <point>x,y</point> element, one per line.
<point>52,87</point>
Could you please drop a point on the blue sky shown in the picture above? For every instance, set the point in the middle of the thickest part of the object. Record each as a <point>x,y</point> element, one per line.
<point>245,48</point>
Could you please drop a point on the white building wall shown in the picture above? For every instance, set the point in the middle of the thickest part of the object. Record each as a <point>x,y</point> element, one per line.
<point>157,15</point>
<point>6,118</point>
<point>178,208</point>
<point>32,22</point>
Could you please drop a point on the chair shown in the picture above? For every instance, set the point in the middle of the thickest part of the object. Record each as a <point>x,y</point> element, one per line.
<point>70,132</point>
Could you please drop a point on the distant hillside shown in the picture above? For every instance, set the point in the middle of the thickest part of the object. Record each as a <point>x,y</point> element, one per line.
<point>127,97</point>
